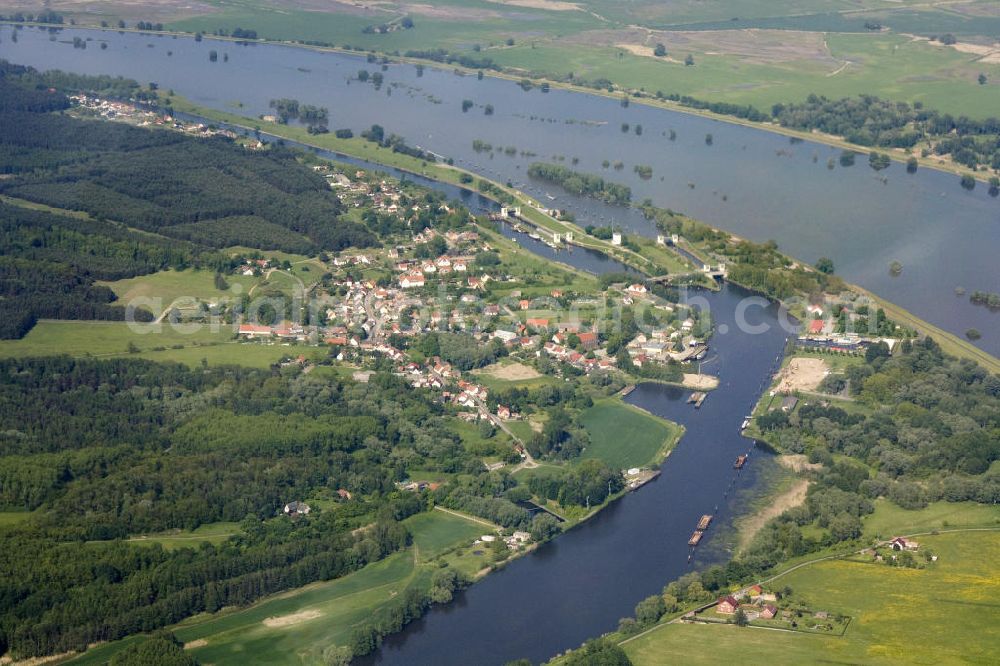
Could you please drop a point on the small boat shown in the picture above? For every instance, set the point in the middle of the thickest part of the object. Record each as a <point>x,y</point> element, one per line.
<point>534,236</point>
<point>695,538</point>
<point>746,422</point>
<point>740,461</point>
<point>705,521</point>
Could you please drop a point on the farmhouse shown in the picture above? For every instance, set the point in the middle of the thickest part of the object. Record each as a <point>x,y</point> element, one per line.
<point>727,605</point>
<point>901,543</point>
<point>588,340</point>
<point>251,331</point>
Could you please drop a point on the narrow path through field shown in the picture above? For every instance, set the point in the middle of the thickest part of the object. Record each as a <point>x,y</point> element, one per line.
<point>467,517</point>
<point>840,69</point>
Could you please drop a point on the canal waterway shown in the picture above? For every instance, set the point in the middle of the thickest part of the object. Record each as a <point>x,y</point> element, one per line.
<point>754,183</point>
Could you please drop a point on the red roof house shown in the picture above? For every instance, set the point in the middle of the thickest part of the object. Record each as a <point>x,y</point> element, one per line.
<point>727,605</point>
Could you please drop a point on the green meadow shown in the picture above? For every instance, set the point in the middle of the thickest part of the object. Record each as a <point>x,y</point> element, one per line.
<point>889,520</point>
<point>624,436</point>
<point>933,615</point>
<point>210,533</point>
<point>182,288</point>
<point>163,342</point>
<point>434,532</point>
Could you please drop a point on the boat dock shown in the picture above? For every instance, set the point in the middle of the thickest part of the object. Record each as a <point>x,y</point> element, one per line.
<point>641,478</point>
<point>627,390</point>
<point>705,521</point>
<point>697,398</point>
<point>695,538</point>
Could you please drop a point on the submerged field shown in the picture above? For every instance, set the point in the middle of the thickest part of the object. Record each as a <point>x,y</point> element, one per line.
<point>929,616</point>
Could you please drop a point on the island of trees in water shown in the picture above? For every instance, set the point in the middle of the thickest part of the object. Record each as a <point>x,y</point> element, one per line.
<point>582,183</point>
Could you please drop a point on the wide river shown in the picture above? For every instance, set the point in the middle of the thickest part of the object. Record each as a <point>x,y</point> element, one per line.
<point>580,585</point>
<point>754,183</point>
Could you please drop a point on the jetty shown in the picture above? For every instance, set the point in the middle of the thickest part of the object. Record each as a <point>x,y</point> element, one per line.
<point>640,478</point>
<point>705,521</point>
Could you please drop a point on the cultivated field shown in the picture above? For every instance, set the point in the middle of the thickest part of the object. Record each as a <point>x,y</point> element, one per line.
<point>933,615</point>
<point>624,436</point>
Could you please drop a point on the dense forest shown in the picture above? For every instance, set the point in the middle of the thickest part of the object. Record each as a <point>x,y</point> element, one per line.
<point>104,449</point>
<point>196,196</point>
<point>101,450</point>
<point>49,262</point>
<point>156,180</point>
<point>933,431</point>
